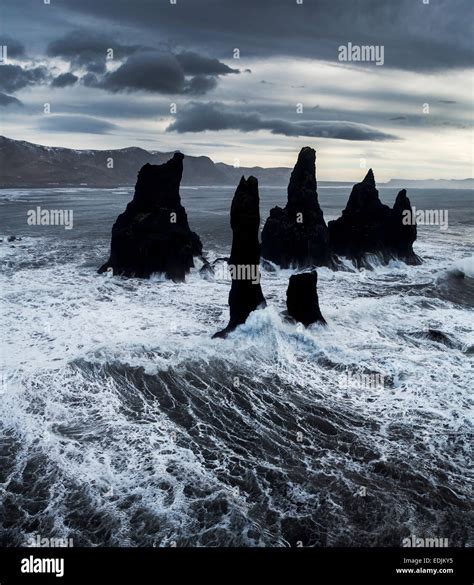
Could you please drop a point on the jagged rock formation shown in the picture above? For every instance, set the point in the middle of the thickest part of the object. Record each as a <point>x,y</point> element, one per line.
<point>302,298</point>
<point>402,235</point>
<point>297,235</point>
<point>367,226</point>
<point>152,234</point>
<point>246,293</point>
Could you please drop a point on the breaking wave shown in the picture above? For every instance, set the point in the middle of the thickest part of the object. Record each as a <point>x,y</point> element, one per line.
<point>124,423</point>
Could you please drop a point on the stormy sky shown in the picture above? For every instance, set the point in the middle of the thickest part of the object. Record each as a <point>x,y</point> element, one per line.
<point>247,81</point>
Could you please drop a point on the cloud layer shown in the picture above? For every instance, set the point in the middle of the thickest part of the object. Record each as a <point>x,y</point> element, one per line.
<point>83,124</point>
<point>112,69</point>
<point>158,72</point>
<point>199,117</point>
<point>86,48</point>
<point>15,77</point>
<point>64,80</point>
<point>416,36</point>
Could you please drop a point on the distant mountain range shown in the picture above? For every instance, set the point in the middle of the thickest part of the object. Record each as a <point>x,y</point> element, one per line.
<point>24,164</point>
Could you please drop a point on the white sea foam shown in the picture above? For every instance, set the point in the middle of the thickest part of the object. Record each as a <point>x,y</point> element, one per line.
<point>147,431</point>
<point>465,265</point>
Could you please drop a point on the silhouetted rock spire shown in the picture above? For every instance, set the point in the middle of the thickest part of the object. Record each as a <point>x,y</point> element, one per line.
<point>369,179</point>
<point>297,235</point>
<point>402,235</point>
<point>152,234</point>
<point>246,293</point>
<point>367,226</point>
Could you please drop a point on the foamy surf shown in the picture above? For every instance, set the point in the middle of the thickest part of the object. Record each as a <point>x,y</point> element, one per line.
<point>124,423</point>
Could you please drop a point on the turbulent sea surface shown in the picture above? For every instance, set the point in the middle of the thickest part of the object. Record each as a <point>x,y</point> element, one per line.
<point>124,423</point>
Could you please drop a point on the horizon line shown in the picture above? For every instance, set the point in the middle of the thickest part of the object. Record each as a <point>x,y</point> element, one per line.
<point>221,162</point>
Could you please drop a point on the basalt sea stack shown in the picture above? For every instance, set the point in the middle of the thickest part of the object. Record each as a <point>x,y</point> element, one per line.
<point>246,293</point>
<point>297,235</point>
<point>367,226</point>
<point>302,298</point>
<point>401,234</point>
<point>152,234</point>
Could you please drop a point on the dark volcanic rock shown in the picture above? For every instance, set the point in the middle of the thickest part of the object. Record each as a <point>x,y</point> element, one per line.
<point>367,226</point>
<point>153,235</point>
<point>297,235</point>
<point>246,293</point>
<point>302,298</point>
<point>402,236</point>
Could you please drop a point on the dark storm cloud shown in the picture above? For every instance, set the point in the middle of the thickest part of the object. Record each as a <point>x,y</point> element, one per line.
<point>194,64</point>
<point>83,48</point>
<point>156,107</point>
<point>9,100</point>
<point>14,77</point>
<point>165,73</point>
<point>416,36</point>
<point>198,117</point>
<point>147,71</point>
<point>85,124</point>
<point>80,43</point>
<point>64,80</point>
<point>200,85</point>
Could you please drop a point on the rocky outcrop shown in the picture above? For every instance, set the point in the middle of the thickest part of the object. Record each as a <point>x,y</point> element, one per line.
<point>246,293</point>
<point>367,226</point>
<point>297,235</point>
<point>302,299</point>
<point>152,234</point>
<point>403,234</point>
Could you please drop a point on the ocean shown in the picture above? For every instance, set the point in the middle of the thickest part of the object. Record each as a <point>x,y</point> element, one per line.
<point>124,424</point>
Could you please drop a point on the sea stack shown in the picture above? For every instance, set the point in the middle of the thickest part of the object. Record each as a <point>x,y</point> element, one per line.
<point>152,234</point>
<point>367,226</point>
<point>302,299</point>
<point>298,235</point>
<point>244,263</point>
<point>402,233</point>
